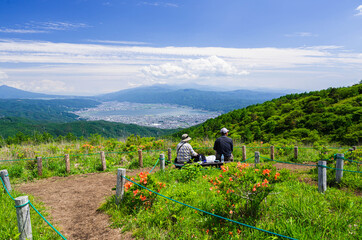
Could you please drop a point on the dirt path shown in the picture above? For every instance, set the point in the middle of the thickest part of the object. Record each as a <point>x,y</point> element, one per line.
<point>73,202</point>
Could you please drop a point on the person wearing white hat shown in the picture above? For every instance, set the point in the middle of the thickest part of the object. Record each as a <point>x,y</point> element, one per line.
<point>224,146</point>
<point>184,150</point>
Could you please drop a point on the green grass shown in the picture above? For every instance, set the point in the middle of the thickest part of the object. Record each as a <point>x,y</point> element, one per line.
<point>8,219</point>
<point>293,209</point>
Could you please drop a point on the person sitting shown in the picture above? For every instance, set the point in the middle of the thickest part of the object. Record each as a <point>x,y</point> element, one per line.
<point>224,146</point>
<point>184,150</point>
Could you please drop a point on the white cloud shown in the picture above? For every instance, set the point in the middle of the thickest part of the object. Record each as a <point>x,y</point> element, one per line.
<point>44,86</point>
<point>359,9</point>
<point>15,51</point>
<point>43,27</point>
<point>192,69</point>
<point>3,75</point>
<point>301,34</point>
<point>56,26</point>
<point>22,31</point>
<point>97,68</point>
<point>159,4</point>
<point>118,42</point>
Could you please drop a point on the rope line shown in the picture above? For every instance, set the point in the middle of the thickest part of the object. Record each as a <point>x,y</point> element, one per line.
<point>344,170</point>
<point>22,205</point>
<point>154,165</point>
<point>230,220</point>
<point>6,189</point>
<point>17,160</point>
<point>52,157</point>
<point>47,221</point>
<point>89,154</point>
<point>35,211</point>
<point>349,160</point>
<point>308,165</point>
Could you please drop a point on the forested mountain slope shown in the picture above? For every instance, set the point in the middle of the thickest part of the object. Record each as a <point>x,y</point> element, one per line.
<point>55,110</point>
<point>332,115</point>
<point>12,127</point>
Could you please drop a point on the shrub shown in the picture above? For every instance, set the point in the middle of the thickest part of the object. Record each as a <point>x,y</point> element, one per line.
<point>244,188</point>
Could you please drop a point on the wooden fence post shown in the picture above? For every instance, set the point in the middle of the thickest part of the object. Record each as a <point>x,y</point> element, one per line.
<point>5,177</point>
<point>272,152</point>
<point>244,152</point>
<point>257,158</point>
<point>67,163</point>
<point>339,165</point>
<point>322,176</point>
<point>296,152</point>
<point>103,160</point>
<point>121,173</point>
<point>169,155</point>
<point>39,161</point>
<point>140,160</point>
<point>162,162</point>
<point>23,215</point>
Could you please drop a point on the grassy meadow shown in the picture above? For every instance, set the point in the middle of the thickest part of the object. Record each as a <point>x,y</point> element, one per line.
<point>290,205</point>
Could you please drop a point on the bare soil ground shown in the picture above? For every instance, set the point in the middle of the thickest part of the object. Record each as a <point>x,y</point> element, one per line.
<point>298,168</point>
<point>73,202</point>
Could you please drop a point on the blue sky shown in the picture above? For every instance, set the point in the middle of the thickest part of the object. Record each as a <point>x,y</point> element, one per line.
<point>97,46</point>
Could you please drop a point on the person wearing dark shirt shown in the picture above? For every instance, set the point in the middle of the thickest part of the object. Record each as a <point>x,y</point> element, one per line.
<point>224,146</point>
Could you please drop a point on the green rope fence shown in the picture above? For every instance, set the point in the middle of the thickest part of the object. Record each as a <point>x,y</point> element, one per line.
<point>309,165</point>
<point>269,159</point>
<point>344,170</point>
<point>154,165</point>
<point>36,210</point>
<point>349,160</point>
<point>157,150</point>
<point>214,215</point>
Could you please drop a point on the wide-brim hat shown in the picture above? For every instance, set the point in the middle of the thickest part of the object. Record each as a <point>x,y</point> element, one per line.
<point>185,137</point>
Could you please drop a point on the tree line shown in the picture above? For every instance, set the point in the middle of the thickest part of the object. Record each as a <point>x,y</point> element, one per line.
<point>330,115</point>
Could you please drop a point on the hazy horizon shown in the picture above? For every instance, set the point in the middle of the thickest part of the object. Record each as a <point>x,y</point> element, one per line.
<point>198,87</point>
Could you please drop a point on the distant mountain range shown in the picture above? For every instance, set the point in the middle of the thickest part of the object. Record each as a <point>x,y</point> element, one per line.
<point>30,112</point>
<point>221,101</point>
<point>7,92</point>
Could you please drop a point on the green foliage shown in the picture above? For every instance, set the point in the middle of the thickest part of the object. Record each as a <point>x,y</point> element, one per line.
<point>304,213</point>
<point>56,110</point>
<point>244,188</point>
<point>286,206</point>
<point>189,173</point>
<point>17,131</point>
<point>351,180</point>
<point>331,115</point>
<point>8,219</point>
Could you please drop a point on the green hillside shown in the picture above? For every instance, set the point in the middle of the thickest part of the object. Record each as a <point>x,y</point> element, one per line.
<point>332,115</point>
<point>55,110</point>
<point>18,127</point>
